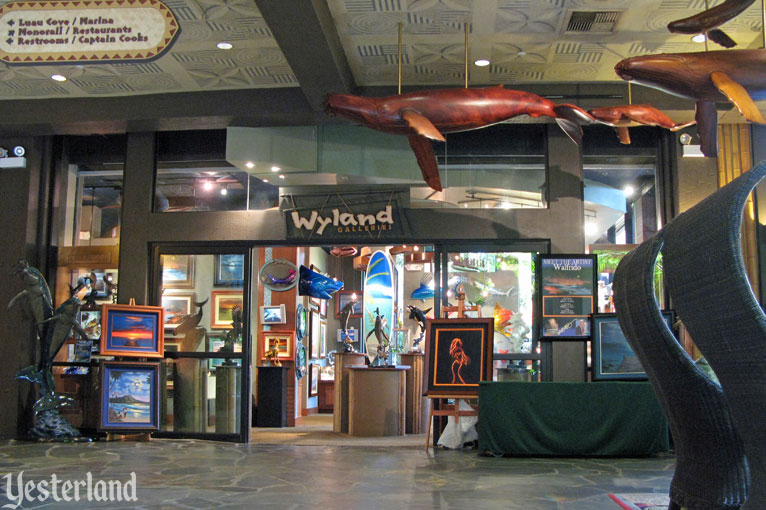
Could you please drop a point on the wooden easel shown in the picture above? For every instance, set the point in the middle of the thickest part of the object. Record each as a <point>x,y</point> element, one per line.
<point>461,307</point>
<point>448,409</point>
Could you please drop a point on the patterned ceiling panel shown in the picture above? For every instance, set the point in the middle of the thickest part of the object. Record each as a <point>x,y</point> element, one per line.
<point>526,40</point>
<point>193,63</point>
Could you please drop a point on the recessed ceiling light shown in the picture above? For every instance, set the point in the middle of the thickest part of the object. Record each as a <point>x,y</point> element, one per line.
<point>207,186</point>
<point>281,176</point>
<point>265,180</point>
<point>58,77</point>
<point>699,38</point>
<point>224,191</point>
<point>482,62</point>
<point>223,45</point>
<point>275,168</point>
<point>628,190</point>
<point>249,164</point>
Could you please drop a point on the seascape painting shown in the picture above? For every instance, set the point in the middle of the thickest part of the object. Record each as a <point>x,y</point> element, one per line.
<point>130,330</point>
<point>178,271</point>
<point>129,395</point>
<point>90,320</point>
<point>229,269</point>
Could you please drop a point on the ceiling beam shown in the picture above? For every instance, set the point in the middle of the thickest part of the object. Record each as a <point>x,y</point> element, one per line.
<point>310,43</point>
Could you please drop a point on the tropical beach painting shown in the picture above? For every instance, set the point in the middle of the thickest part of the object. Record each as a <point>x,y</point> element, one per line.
<point>129,395</point>
<point>131,330</point>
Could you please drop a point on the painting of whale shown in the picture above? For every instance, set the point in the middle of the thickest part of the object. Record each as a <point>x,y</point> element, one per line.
<point>625,116</point>
<point>709,20</point>
<point>738,76</point>
<point>428,115</point>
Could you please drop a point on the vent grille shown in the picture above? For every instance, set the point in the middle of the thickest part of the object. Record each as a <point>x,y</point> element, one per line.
<point>592,22</point>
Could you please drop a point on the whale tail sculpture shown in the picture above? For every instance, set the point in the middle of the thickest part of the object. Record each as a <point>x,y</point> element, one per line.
<point>426,116</point>
<point>708,20</point>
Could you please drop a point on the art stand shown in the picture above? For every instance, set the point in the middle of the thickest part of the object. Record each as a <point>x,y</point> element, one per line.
<point>442,408</point>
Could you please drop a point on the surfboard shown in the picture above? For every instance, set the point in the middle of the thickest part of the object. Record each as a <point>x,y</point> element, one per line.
<point>378,295</point>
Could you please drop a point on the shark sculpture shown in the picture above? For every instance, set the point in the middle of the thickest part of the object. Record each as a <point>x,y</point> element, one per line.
<point>706,77</point>
<point>625,116</point>
<point>427,115</point>
<point>709,20</point>
<point>317,285</point>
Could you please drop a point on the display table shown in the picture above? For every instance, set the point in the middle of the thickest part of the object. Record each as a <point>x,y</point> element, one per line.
<point>376,400</point>
<point>228,384</point>
<point>549,418</point>
<point>417,404</point>
<point>272,397</point>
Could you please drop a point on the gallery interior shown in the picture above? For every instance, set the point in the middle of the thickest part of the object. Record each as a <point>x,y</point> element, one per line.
<point>224,226</point>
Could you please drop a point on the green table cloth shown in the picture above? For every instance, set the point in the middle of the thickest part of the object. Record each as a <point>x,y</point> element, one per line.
<point>570,419</point>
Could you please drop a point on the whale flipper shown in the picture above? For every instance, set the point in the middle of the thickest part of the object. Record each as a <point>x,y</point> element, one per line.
<point>572,130</point>
<point>422,125</point>
<point>719,36</point>
<point>737,95</point>
<point>426,158</point>
<point>623,134</point>
<point>707,128</point>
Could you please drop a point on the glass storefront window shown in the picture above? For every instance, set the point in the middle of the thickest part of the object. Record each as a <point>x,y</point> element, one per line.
<point>205,323</point>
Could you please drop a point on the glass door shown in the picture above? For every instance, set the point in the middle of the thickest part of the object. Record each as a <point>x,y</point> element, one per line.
<point>205,374</point>
<point>499,282</point>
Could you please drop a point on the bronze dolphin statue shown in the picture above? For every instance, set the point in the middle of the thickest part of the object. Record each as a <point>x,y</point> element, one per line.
<point>706,77</point>
<point>429,114</point>
<point>624,116</point>
<point>707,21</point>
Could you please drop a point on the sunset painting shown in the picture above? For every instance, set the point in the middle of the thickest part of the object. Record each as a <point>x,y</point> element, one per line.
<point>133,330</point>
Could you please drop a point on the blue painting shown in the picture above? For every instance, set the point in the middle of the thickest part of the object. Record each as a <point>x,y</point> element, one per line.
<point>132,330</point>
<point>129,396</point>
<point>378,299</point>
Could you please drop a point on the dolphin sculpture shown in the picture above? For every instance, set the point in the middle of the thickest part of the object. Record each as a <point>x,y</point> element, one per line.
<point>708,20</point>
<point>36,296</point>
<point>428,114</point>
<point>344,315</point>
<point>706,77</point>
<point>381,336</point>
<point>625,116</point>
<point>316,285</point>
<point>418,316</point>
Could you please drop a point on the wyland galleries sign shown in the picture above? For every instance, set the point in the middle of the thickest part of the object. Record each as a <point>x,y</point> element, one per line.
<point>353,215</point>
<point>86,31</point>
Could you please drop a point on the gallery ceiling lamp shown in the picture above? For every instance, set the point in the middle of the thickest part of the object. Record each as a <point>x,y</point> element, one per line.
<point>628,190</point>
<point>207,185</point>
<point>58,77</point>
<point>482,62</point>
<point>224,191</point>
<point>224,45</point>
<point>275,168</point>
<point>699,38</point>
<point>250,164</point>
<point>281,176</point>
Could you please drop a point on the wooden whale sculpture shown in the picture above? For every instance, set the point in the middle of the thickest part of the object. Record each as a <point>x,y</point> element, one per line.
<point>624,116</point>
<point>706,77</point>
<point>429,114</point>
<point>707,21</point>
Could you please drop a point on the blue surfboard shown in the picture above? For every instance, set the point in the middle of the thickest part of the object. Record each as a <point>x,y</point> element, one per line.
<point>379,295</point>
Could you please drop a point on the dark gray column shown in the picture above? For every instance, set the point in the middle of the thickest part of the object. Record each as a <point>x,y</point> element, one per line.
<point>137,199</point>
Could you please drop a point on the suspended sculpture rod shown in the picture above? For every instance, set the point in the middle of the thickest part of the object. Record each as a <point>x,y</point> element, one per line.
<point>399,61</point>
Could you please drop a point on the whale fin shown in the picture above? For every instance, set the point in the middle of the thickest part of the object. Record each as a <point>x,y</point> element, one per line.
<point>572,129</point>
<point>719,36</point>
<point>426,158</point>
<point>707,128</point>
<point>737,95</point>
<point>623,134</point>
<point>422,125</point>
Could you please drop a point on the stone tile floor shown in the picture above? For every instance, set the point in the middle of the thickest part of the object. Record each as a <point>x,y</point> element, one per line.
<point>174,474</point>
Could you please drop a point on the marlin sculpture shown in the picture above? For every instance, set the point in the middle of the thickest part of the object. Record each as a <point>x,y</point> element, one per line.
<point>625,116</point>
<point>428,114</point>
<point>706,77</point>
<point>707,21</point>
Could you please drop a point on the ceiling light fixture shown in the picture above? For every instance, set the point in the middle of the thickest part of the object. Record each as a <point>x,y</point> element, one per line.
<point>265,180</point>
<point>275,168</point>
<point>223,45</point>
<point>699,38</point>
<point>482,62</point>
<point>628,190</point>
<point>207,185</point>
<point>249,164</point>
<point>58,77</point>
<point>281,176</point>
<point>224,191</point>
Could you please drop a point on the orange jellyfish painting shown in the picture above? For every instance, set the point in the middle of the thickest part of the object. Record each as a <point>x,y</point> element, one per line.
<point>459,360</point>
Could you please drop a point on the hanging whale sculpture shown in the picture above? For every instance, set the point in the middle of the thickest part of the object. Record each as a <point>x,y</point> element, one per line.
<point>706,77</point>
<point>624,116</point>
<point>428,114</point>
<point>707,21</point>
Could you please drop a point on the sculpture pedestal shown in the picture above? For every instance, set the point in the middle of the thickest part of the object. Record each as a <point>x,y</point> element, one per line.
<point>376,401</point>
<point>343,360</point>
<point>272,397</point>
<point>227,399</point>
<point>190,395</point>
<point>416,404</point>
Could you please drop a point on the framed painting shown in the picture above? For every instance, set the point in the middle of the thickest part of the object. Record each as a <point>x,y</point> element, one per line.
<point>322,337</point>
<point>90,320</point>
<point>458,355</point>
<point>223,303</point>
<point>177,306</point>
<point>301,322</point>
<point>612,356</point>
<point>129,399</point>
<point>283,341</point>
<point>230,269</point>
<point>130,330</point>
<point>314,370</point>
<point>314,345</point>
<point>343,297</point>
<point>178,271</point>
<point>273,314</point>
<point>323,308</point>
<point>567,290</point>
